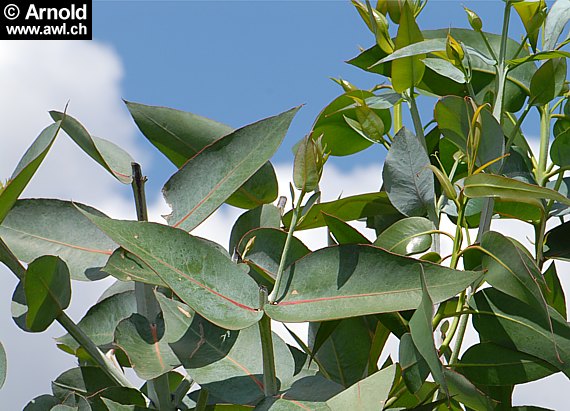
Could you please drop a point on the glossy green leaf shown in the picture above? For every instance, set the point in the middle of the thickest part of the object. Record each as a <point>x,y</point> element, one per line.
<point>26,168</point>
<point>560,150</point>
<point>48,291</point>
<point>3,365</point>
<point>180,135</point>
<point>488,185</point>
<point>463,390</point>
<point>554,293</point>
<point>350,280</point>
<point>414,368</point>
<point>556,20</point>
<point>200,274</point>
<point>491,364</point>
<point>100,321</point>
<point>548,81</point>
<point>38,227</point>
<point>344,353</point>
<point>510,270</point>
<point>407,72</point>
<point>263,216</point>
<point>557,242</point>
<point>408,236</point>
<point>369,394</point>
<point>216,172</point>
<point>345,209</point>
<point>264,254</point>
<point>221,361</point>
<point>338,137</point>
<point>343,232</point>
<point>110,156</point>
<point>146,346</point>
<point>421,332</point>
<point>408,181</point>
<point>506,321</point>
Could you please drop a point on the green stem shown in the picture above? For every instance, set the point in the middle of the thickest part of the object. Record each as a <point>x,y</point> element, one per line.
<point>105,363</point>
<point>459,340</point>
<point>454,324</point>
<point>398,123</point>
<point>269,377</point>
<point>279,275</point>
<point>516,128</point>
<point>489,48</point>
<point>544,144</point>
<point>147,305</point>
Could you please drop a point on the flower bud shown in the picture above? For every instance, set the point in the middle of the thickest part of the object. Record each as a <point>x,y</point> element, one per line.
<point>454,51</point>
<point>309,162</point>
<point>474,20</point>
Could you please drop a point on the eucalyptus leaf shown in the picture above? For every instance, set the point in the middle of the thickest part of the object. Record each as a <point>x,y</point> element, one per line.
<point>26,168</point>
<point>48,291</point>
<point>362,278</point>
<point>556,20</point>
<point>445,69</point>
<point>37,227</point>
<point>110,156</point>
<point>263,216</point>
<point>556,243</point>
<point>343,232</point>
<point>410,235</point>
<point>211,176</point>
<point>554,293</point>
<point>548,81</point>
<point>3,365</point>
<point>414,368</point>
<point>560,150</point>
<point>200,274</point>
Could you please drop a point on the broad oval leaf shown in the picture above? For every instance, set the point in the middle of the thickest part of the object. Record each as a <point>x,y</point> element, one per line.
<point>263,216</point>
<point>410,235</point>
<point>560,150</point>
<point>491,364</point>
<point>37,227</point>
<point>217,171</point>
<point>556,20</point>
<point>548,81</point>
<point>110,156</point>
<point>557,242</point>
<point>42,403</point>
<point>408,181</point>
<point>48,291</point>
<point>100,321</point>
<point>350,280</point>
<point>198,272</point>
<point>345,209</point>
<point>489,185</point>
<point>180,135</point>
<point>26,168</point>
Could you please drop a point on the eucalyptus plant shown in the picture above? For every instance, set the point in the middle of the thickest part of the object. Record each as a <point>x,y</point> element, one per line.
<point>195,321</point>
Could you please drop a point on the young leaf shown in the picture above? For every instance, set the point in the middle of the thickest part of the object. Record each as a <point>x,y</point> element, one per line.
<point>37,227</point>
<point>216,172</point>
<point>369,394</point>
<point>407,72</point>
<point>26,168</point>
<point>407,180</point>
<point>408,236</point>
<point>308,165</point>
<point>350,280</point>
<point>113,158</point>
<point>48,291</point>
<point>180,135</point>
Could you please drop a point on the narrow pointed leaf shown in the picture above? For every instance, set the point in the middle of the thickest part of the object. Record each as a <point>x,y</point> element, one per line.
<point>350,280</point>
<point>557,242</point>
<point>554,292</point>
<point>48,291</point>
<point>216,172</point>
<point>343,232</point>
<point>541,55</point>
<point>408,181</point>
<point>221,361</point>
<point>407,72</point>
<point>180,135</point>
<point>26,168</point>
<point>201,275</point>
<point>38,227</point>
<point>369,394</point>
<point>491,364</point>
<point>414,368</point>
<point>408,236</point>
<point>488,185</point>
<point>445,68</point>
<point>100,321</point>
<point>345,209</point>
<point>110,156</point>
<point>463,390</point>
